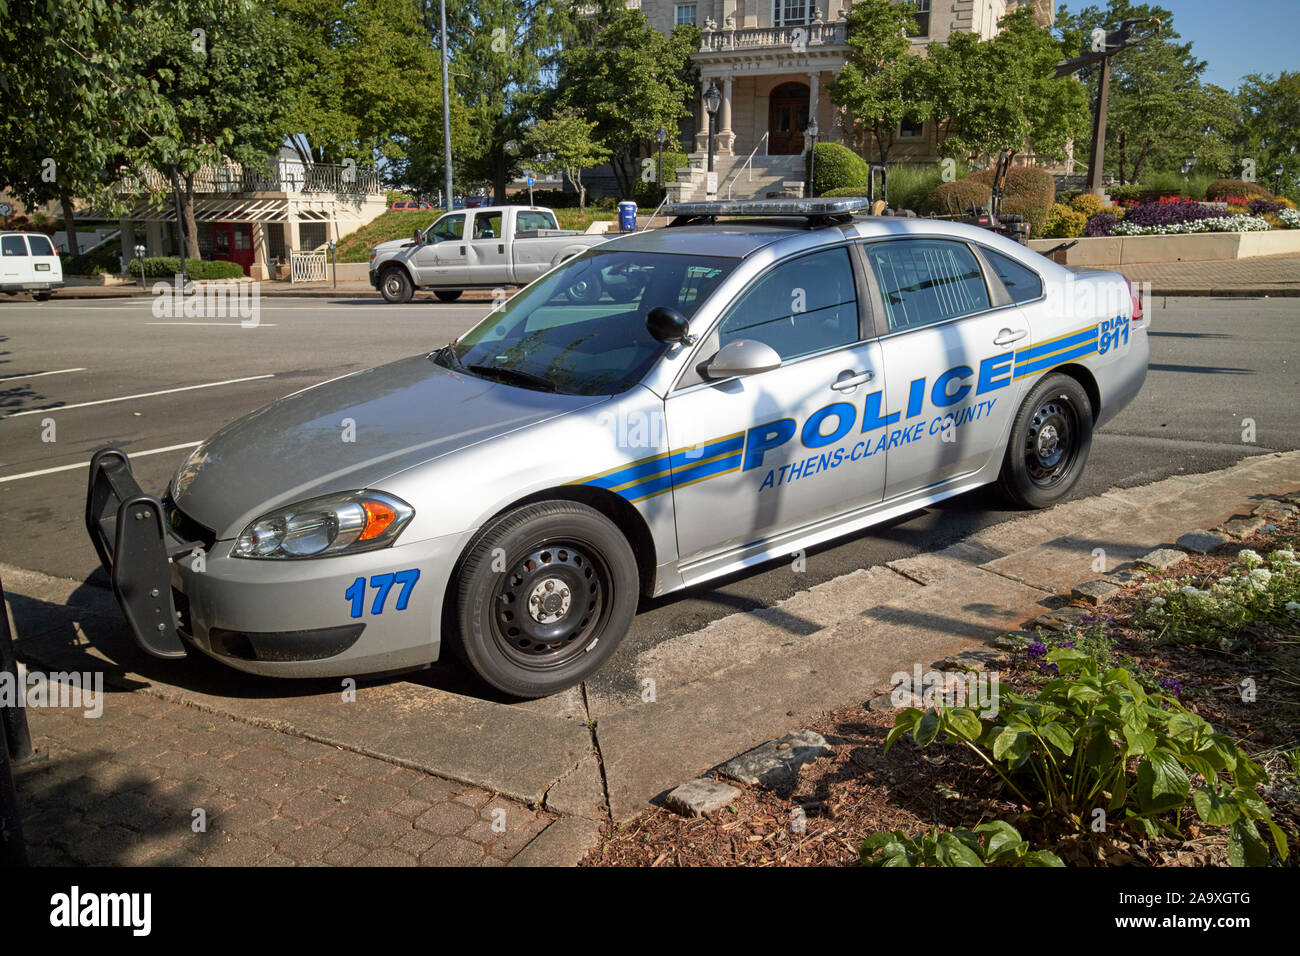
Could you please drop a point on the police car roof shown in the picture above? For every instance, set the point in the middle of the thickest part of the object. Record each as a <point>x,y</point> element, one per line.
<point>734,238</point>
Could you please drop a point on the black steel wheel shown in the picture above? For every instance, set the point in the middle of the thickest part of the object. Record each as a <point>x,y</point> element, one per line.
<point>1050,440</point>
<point>395,286</point>
<point>544,595</point>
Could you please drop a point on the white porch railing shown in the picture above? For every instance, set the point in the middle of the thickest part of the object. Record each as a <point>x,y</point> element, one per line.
<point>307,267</point>
<point>796,37</point>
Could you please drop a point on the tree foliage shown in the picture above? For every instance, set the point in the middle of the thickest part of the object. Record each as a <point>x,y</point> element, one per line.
<point>566,145</point>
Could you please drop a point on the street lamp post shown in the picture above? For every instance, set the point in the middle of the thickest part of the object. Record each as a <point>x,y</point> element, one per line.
<point>812,131</point>
<point>334,261</point>
<point>661,137</point>
<point>446,105</point>
<point>1278,172</point>
<point>712,101</point>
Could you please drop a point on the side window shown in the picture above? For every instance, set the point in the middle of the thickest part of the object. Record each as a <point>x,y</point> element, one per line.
<point>448,227</point>
<point>534,220</point>
<point>803,306</point>
<point>41,246</point>
<point>487,226</point>
<point>1022,282</point>
<point>924,281</point>
<point>12,246</point>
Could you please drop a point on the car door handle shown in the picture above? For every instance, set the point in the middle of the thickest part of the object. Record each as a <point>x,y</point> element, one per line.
<point>853,381</point>
<point>1007,336</point>
<point>462,250</point>
<point>501,248</point>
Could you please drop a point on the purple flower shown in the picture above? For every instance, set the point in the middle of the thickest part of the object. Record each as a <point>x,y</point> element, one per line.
<point>1100,224</point>
<point>1260,207</point>
<point>1036,650</point>
<point>1047,668</point>
<point>1065,644</point>
<point>1173,686</point>
<point>1168,214</point>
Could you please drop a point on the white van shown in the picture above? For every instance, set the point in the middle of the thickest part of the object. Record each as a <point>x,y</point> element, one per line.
<point>28,263</point>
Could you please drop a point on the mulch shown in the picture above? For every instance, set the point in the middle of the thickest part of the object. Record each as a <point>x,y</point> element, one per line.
<point>859,790</point>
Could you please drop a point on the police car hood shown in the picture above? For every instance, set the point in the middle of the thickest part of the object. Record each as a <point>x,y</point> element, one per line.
<point>348,434</point>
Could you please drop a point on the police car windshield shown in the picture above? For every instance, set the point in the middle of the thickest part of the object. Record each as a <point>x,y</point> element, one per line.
<point>581,330</point>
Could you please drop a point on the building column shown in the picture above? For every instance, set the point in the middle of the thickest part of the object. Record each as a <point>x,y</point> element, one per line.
<point>153,238</point>
<point>260,271</point>
<point>126,240</point>
<point>702,118</point>
<point>292,236</point>
<point>726,136</point>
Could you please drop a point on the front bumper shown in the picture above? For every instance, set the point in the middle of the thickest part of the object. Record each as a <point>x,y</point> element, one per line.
<point>312,617</point>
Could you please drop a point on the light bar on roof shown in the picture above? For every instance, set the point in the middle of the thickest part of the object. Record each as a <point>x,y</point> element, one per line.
<point>839,206</point>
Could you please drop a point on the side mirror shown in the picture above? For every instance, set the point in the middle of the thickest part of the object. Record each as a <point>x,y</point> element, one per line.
<point>668,326</point>
<point>742,357</point>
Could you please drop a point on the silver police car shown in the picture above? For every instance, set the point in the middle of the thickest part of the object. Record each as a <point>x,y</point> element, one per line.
<point>665,408</point>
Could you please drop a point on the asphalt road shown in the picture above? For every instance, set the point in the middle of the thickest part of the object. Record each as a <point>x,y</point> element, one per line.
<point>88,373</point>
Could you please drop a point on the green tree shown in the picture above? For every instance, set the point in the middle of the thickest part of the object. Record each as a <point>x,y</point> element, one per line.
<point>70,99</point>
<point>373,82</point>
<point>1270,129</point>
<point>881,82</point>
<point>226,88</point>
<point>565,145</point>
<point>1160,111</point>
<point>630,79</point>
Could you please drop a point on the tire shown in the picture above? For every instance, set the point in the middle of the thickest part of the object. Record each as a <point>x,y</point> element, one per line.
<point>448,295</point>
<point>41,296</point>
<point>395,285</point>
<point>521,629</point>
<point>1049,444</point>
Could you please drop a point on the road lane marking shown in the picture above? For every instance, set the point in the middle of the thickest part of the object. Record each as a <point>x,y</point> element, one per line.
<point>238,325</point>
<point>127,398</point>
<point>62,371</point>
<point>86,464</point>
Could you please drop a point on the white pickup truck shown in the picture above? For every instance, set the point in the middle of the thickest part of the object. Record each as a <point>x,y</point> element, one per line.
<point>486,248</point>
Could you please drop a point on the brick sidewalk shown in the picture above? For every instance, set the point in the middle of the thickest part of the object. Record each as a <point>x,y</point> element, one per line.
<point>121,789</point>
<point>1271,275</point>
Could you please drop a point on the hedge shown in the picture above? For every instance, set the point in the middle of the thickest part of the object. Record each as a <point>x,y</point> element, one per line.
<point>1220,189</point>
<point>955,198</point>
<point>89,264</point>
<point>1088,204</point>
<point>1062,222</point>
<point>1029,192</point>
<point>165,267</point>
<point>837,167</point>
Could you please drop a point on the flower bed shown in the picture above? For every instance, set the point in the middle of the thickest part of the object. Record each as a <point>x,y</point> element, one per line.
<point>1237,223</point>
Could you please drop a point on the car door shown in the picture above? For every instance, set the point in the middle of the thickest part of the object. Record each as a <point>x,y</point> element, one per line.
<point>46,266</point>
<point>15,263</point>
<point>488,262</point>
<point>948,344</point>
<point>442,256</point>
<point>760,454</point>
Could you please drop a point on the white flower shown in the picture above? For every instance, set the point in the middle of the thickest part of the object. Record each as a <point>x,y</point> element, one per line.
<point>1249,558</point>
<point>1290,218</point>
<point>1261,576</point>
<point>1157,602</point>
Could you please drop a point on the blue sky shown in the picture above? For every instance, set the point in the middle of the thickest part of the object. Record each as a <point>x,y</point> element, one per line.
<point>1235,37</point>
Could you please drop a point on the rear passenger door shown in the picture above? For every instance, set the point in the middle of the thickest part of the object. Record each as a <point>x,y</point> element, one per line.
<point>949,338</point>
<point>15,263</point>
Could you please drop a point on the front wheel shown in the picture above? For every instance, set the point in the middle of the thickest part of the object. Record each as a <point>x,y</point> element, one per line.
<point>544,597</point>
<point>1049,445</point>
<point>395,285</point>
<point>447,295</point>
<point>42,297</point>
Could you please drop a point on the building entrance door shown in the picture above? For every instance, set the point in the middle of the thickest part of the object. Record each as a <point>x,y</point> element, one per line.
<point>787,115</point>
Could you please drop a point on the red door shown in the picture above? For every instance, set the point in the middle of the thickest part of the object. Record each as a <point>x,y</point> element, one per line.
<point>787,115</point>
<point>233,242</point>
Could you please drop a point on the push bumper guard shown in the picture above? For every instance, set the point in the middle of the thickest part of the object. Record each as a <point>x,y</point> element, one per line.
<point>126,527</point>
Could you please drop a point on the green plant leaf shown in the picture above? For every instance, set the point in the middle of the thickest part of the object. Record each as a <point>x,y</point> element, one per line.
<point>951,851</point>
<point>1058,737</point>
<point>1245,846</point>
<point>1218,810</point>
<point>963,722</point>
<point>927,729</point>
<point>1042,858</point>
<point>1000,836</point>
<point>1279,839</point>
<point>1162,783</point>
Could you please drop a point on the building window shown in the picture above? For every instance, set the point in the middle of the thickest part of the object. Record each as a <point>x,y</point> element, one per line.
<point>922,17</point>
<point>911,128</point>
<point>787,12</point>
<point>684,14</point>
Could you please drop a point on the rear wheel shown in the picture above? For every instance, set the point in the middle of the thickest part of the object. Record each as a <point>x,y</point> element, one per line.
<point>42,296</point>
<point>1049,445</point>
<point>447,295</point>
<point>395,285</point>
<point>544,597</point>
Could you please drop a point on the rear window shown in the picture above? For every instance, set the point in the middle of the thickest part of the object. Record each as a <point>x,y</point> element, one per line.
<point>12,246</point>
<point>41,245</point>
<point>534,220</point>
<point>924,281</point>
<point>1022,282</point>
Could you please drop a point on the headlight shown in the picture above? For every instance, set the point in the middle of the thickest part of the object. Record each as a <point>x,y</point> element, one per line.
<point>336,524</point>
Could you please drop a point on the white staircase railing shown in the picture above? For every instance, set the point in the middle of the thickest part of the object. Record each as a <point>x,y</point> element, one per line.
<point>748,164</point>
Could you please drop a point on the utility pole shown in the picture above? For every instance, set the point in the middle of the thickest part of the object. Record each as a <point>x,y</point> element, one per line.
<point>446,107</point>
